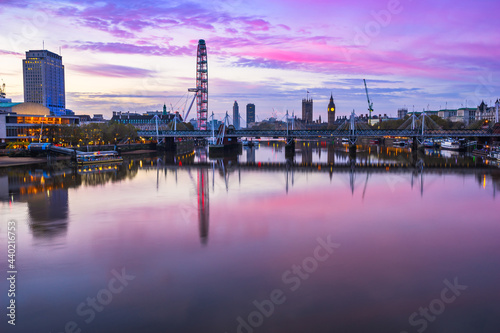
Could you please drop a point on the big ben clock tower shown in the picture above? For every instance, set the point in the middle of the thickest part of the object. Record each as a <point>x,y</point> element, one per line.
<point>331,111</point>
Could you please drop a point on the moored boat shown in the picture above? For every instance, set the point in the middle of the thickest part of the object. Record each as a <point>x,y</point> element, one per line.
<point>450,144</point>
<point>429,144</point>
<point>494,154</point>
<point>399,143</point>
<point>98,157</point>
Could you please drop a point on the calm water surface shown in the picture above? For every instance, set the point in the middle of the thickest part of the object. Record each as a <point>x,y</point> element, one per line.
<point>193,245</point>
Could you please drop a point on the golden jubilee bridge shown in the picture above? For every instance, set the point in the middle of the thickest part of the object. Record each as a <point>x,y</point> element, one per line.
<point>326,133</point>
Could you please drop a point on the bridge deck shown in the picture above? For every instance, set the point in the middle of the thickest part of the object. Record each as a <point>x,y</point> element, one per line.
<point>309,134</point>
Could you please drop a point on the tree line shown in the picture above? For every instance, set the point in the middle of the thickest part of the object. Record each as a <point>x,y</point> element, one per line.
<point>102,133</point>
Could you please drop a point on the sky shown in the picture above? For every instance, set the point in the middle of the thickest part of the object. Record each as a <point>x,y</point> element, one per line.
<point>137,55</point>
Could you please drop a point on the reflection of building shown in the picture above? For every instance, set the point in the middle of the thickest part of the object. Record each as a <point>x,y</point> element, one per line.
<point>46,192</point>
<point>331,154</point>
<point>236,115</point>
<point>46,196</point>
<point>307,110</point>
<point>43,74</point>
<point>203,205</point>
<point>331,111</point>
<point>250,114</point>
<point>306,152</point>
<point>49,206</point>
<point>250,155</point>
<point>4,188</point>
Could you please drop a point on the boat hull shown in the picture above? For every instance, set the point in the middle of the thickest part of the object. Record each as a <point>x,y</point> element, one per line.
<point>113,160</point>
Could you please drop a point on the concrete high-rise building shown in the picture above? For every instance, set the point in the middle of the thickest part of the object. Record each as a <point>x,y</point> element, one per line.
<point>331,111</point>
<point>307,110</point>
<point>236,115</point>
<point>43,74</point>
<point>250,113</point>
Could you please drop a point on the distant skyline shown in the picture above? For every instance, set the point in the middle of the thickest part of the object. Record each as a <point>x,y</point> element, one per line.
<point>135,56</point>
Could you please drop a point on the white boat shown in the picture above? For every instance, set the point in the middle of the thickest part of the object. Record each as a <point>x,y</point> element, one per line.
<point>495,154</point>
<point>450,144</point>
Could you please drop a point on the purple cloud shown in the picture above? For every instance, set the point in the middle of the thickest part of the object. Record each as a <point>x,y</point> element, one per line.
<point>124,48</point>
<point>5,52</point>
<point>112,70</point>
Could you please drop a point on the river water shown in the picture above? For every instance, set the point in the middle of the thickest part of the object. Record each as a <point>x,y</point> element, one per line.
<point>256,244</point>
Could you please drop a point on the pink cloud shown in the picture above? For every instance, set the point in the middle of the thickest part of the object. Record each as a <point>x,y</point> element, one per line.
<point>5,52</point>
<point>112,70</point>
<point>256,24</point>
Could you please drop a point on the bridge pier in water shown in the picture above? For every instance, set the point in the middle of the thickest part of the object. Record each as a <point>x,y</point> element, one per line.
<point>414,146</point>
<point>352,151</point>
<point>178,147</point>
<point>290,148</point>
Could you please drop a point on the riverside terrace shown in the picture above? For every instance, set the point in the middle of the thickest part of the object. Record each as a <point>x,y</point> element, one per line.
<point>376,133</point>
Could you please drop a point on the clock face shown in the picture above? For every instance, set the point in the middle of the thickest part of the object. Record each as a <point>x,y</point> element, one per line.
<point>332,109</point>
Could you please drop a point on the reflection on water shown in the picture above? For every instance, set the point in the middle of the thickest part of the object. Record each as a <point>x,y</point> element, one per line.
<point>46,190</point>
<point>203,204</point>
<point>206,239</point>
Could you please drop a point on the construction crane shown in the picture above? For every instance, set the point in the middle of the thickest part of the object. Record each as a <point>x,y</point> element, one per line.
<point>370,104</point>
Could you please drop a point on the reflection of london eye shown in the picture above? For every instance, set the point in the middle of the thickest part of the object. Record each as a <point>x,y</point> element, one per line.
<point>203,204</point>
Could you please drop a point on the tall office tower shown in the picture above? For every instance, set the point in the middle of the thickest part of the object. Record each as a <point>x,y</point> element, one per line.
<point>250,113</point>
<point>236,115</point>
<point>331,111</point>
<point>307,110</point>
<point>43,74</point>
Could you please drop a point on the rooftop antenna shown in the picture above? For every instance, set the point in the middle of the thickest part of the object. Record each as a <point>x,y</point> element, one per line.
<point>43,44</point>
<point>60,51</point>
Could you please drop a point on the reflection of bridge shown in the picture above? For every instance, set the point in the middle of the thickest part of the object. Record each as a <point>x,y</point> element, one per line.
<point>343,167</point>
<point>354,170</point>
<point>310,134</point>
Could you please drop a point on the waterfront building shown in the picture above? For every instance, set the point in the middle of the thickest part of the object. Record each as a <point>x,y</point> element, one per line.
<point>250,114</point>
<point>483,112</point>
<point>24,121</point>
<point>43,74</point>
<point>236,115</point>
<point>331,111</point>
<point>469,115</point>
<point>87,119</point>
<point>307,110</point>
<point>138,119</point>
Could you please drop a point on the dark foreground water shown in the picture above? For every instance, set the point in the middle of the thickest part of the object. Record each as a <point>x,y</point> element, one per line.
<point>226,247</point>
